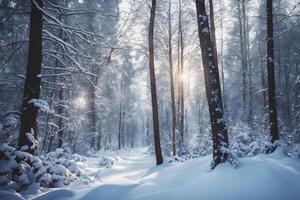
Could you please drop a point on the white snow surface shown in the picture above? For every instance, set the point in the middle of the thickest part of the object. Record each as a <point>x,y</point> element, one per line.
<point>134,175</point>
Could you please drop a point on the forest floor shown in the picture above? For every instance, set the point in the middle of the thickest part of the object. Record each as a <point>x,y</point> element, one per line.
<point>134,175</point>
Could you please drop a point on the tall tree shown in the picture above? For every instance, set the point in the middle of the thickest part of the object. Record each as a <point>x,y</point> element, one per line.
<point>271,73</point>
<point>213,88</point>
<point>29,114</point>
<point>222,60</point>
<point>120,118</point>
<point>158,153</point>
<point>241,18</point>
<point>263,78</point>
<point>181,75</point>
<point>60,134</point>
<point>172,82</point>
<point>93,81</point>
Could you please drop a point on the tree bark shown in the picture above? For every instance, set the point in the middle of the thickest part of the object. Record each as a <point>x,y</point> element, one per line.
<point>243,60</point>
<point>158,153</point>
<point>172,85</point>
<point>120,118</point>
<point>60,133</point>
<point>181,78</point>
<point>213,31</point>
<point>99,137</point>
<point>226,111</point>
<point>271,74</point>
<point>32,86</point>
<point>287,101</point>
<point>213,88</point>
<point>263,79</point>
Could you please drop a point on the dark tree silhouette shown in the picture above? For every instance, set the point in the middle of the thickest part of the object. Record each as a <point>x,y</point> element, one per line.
<point>271,73</point>
<point>213,89</point>
<point>33,80</point>
<point>173,107</point>
<point>158,153</point>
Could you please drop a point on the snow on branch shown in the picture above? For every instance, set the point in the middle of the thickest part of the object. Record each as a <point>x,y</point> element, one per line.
<point>41,104</point>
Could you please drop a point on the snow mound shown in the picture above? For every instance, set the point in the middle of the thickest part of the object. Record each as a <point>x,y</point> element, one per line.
<point>105,162</point>
<point>62,167</point>
<point>19,169</point>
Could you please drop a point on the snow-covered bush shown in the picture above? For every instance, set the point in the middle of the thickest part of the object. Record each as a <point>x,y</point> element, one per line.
<point>176,159</point>
<point>105,162</point>
<point>182,158</point>
<point>204,144</point>
<point>19,169</point>
<point>246,142</point>
<point>294,151</point>
<point>9,128</point>
<point>62,167</point>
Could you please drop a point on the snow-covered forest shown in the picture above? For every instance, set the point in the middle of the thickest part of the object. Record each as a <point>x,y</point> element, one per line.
<point>150,99</point>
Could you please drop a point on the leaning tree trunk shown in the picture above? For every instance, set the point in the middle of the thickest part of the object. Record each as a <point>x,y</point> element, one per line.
<point>213,89</point>
<point>172,85</point>
<point>271,74</point>
<point>158,153</point>
<point>29,114</point>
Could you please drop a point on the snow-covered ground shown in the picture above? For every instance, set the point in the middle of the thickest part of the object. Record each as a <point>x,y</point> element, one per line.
<point>135,176</point>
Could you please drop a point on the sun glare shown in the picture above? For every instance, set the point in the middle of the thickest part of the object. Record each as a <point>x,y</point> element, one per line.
<point>80,102</point>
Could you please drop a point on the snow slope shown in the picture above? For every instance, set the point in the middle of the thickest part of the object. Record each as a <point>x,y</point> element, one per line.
<point>135,176</point>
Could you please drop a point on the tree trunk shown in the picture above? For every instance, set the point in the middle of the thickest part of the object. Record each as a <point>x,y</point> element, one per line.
<point>263,79</point>
<point>287,101</point>
<point>99,137</point>
<point>181,79</point>
<point>94,110</point>
<point>120,119</point>
<point>172,85</point>
<point>60,133</point>
<point>249,72</point>
<point>32,86</point>
<point>94,83</point>
<point>243,61</point>
<point>213,31</point>
<point>213,89</point>
<point>271,74</point>
<point>147,131</point>
<point>226,111</point>
<point>158,153</point>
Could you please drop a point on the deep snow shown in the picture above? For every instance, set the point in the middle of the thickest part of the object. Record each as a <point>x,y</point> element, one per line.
<point>135,176</point>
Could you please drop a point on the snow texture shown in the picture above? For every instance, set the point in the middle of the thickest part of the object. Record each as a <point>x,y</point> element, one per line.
<point>20,170</point>
<point>41,104</point>
<point>135,176</point>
